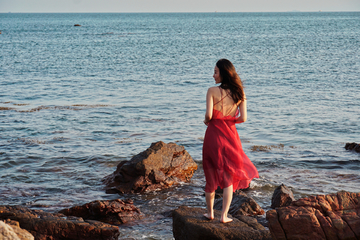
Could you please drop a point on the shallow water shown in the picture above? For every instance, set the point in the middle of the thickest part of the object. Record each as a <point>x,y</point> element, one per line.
<point>75,101</point>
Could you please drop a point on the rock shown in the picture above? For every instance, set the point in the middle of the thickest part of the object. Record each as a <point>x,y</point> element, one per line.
<point>21,233</point>
<point>282,196</point>
<point>332,216</point>
<point>77,25</point>
<point>43,225</point>
<point>353,146</point>
<point>7,232</point>
<point>113,212</point>
<point>241,204</point>
<point>160,166</point>
<point>11,230</point>
<point>189,223</point>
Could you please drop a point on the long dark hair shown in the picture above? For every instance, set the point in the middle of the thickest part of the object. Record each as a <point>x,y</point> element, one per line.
<point>230,80</point>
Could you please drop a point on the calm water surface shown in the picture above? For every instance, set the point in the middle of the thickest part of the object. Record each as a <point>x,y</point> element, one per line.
<point>75,101</point>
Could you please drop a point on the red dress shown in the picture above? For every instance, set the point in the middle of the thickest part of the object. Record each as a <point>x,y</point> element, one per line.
<point>224,160</point>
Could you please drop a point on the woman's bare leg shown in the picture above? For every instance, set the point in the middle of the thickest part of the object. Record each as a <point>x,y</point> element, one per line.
<point>209,205</point>
<point>227,197</point>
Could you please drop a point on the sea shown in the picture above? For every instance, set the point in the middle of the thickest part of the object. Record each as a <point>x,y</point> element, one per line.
<point>77,100</point>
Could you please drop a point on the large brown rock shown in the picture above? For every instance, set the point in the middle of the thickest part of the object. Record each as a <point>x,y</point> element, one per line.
<point>111,211</point>
<point>282,197</point>
<point>160,166</point>
<point>190,224</point>
<point>333,216</point>
<point>241,204</point>
<point>47,226</point>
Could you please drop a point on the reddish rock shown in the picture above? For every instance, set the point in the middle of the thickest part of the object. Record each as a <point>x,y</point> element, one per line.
<point>160,166</point>
<point>282,196</point>
<point>241,204</point>
<point>190,224</point>
<point>47,226</point>
<point>113,212</point>
<point>333,216</point>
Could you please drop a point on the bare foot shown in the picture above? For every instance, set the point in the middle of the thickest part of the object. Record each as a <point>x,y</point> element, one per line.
<point>208,216</point>
<point>226,220</point>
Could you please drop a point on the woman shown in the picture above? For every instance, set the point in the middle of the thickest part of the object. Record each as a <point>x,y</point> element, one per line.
<point>224,161</point>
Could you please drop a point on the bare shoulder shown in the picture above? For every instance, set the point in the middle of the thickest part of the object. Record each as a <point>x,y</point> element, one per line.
<point>214,93</point>
<point>213,90</point>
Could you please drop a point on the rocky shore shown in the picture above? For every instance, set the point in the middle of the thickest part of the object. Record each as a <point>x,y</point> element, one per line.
<point>332,216</point>
<point>160,166</point>
<point>327,217</point>
<point>54,226</point>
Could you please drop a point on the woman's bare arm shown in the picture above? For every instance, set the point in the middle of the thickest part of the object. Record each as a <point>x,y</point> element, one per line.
<point>243,112</point>
<point>209,106</point>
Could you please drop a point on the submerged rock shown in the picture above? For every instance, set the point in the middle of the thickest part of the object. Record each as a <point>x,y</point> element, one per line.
<point>241,204</point>
<point>160,166</point>
<point>43,225</point>
<point>332,216</point>
<point>282,196</point>
<point>353,146</point>
<point>11,230</point>
<point>113,212</point>
<point>189,223</point>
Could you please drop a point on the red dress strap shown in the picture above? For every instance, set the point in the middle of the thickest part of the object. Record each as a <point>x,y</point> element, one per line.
<point>221,99</point>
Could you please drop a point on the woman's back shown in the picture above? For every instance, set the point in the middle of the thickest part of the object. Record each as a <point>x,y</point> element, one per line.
<point>224,103</point>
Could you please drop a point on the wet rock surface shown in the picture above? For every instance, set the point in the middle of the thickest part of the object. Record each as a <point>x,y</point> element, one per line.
<point>112,211</point>
<point>282,196</point>
<point>160,166</point>
<point>332,216</point>
<point>241,204</point>
<point>189,223</point>
<point>45,226</point>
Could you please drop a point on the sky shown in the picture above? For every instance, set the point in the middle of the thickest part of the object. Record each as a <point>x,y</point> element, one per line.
<point>177,5</point>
